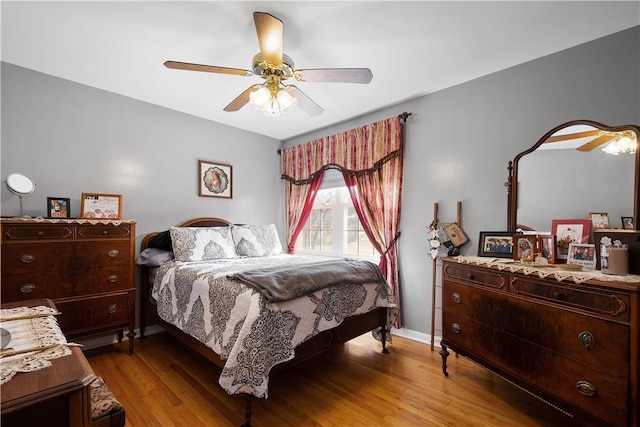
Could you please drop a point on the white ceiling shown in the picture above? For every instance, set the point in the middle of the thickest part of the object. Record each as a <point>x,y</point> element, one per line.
<point>412,48</point>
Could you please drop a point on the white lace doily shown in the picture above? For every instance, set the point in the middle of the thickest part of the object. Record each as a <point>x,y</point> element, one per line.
<point>556,272</point>
<point>34,339</point>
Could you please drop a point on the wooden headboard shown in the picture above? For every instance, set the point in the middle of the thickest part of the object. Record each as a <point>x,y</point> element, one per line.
<point>196,222</point>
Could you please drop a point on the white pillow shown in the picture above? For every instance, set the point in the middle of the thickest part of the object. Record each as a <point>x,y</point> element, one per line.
<point>202,243</point>
<point>256,240</point>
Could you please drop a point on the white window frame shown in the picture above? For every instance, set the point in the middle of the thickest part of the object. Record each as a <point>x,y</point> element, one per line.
<point>339,219</point>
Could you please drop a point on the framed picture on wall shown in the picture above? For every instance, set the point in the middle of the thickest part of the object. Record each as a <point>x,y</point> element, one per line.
<point>215,179</point>
<point>498,244</point>
<point>58,207</point>
<point>101,206</point>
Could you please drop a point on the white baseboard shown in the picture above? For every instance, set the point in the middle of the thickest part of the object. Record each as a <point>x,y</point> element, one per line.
<point>416,336</point>
<point>90,343</point>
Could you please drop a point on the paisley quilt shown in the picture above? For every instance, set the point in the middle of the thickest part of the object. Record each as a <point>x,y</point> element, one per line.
<point>250,334</point>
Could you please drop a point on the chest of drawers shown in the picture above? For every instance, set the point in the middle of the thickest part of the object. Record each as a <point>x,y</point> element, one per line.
<point>575,346</point>
<point>86,268</point>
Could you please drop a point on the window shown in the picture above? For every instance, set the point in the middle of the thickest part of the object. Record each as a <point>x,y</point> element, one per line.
<point>333,227</point>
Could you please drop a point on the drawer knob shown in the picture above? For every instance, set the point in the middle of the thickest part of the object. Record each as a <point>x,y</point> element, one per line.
<point>40,233</point>
<point>587,339</point>
<point>105,232</point>
<point>113,278</point>
<point>456,328</point>
<point>586,388</point>
<point>470,276</point>
<point>28,288</point>
<point>113,308</point>
<point>557,295</point>
<point>456,298</point>
<point>113,253</point>
<point>27,258</point>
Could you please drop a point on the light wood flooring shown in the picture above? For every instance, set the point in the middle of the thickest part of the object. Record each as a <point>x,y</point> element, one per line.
<point>164,384</point>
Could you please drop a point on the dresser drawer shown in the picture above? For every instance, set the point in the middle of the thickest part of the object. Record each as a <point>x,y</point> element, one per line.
<point>82,316</point>
<point>480,277</point>
<point>596,342</point>
<point>37,232</point>
<point>29,257</point>
<point>65,283</point>
<point>483,305</point>
<point>541,367</point>
<point>103,231</point>
<point>588,298</point>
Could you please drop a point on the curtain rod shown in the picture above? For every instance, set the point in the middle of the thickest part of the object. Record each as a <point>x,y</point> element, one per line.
<point>404,116</point>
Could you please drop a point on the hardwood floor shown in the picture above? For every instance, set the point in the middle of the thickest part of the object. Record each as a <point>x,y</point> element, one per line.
<point>165,384</point>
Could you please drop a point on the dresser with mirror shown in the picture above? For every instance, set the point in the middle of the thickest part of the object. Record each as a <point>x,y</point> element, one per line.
<point>570,339</point>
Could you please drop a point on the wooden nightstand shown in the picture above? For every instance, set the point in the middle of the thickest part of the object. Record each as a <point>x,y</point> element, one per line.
<point>53,396</point>
<point>86,267</point>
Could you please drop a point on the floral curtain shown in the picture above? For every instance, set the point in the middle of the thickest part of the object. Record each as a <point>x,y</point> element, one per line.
<point>371,159</point>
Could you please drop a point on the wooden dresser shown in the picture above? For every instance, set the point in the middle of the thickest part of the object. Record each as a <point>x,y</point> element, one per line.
<point>86,267</point>
<point>575,346</point>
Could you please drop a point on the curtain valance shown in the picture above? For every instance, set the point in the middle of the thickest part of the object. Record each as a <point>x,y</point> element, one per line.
<point>356,151</point>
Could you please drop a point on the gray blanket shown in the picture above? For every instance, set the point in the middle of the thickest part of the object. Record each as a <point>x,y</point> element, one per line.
<point>283,283</point>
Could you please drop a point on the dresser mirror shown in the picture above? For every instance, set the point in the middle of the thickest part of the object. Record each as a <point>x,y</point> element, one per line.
<point>568,174</point>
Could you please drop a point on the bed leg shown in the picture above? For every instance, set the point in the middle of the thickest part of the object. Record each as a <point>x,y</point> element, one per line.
<point>383,339</point>
<point>247,410</point>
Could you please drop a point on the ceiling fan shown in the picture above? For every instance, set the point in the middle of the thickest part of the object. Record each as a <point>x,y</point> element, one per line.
<point>274,96</point>
<point>600,137</point>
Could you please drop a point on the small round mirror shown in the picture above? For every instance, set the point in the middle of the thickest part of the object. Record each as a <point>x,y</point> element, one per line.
<point>19,184</point>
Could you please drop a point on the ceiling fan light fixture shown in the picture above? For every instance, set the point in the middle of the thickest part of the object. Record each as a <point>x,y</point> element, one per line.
<point>273,101</point>
<point>624,144</point>
<point>260,97</point>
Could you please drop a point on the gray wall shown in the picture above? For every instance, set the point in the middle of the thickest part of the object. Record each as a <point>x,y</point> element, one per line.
<point>72,139</point>
<point>459,141</point>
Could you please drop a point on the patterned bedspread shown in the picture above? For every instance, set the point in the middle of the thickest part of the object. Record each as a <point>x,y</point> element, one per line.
<point>250,334</point>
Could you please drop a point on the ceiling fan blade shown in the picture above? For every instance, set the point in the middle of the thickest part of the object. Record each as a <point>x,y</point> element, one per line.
<point>241,100</point>
<point>337,75</point>
<point>270,37</point>
<point>594,143</point>
<point>206,68</point>
<point>305,103</point>
<point>576,135</point>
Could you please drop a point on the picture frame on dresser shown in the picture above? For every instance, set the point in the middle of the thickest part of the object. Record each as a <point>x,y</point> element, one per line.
<point>215,179</point>
<point>547,247</point>
<point>569,231</point>
<point>627,223</point>
<point>599,220</point>
<point>583,254</point>
<point>496,244</point>
<point>101,206</point>
<point>525,247</point>
<point>58,207</point>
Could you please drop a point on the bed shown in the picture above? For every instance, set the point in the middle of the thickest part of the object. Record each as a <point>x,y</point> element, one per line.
<point>237,300</point>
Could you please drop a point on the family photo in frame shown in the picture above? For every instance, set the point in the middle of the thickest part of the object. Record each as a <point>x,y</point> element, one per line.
<point>583,254</point>
<point>58,207</point>
<point>498,244</point>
